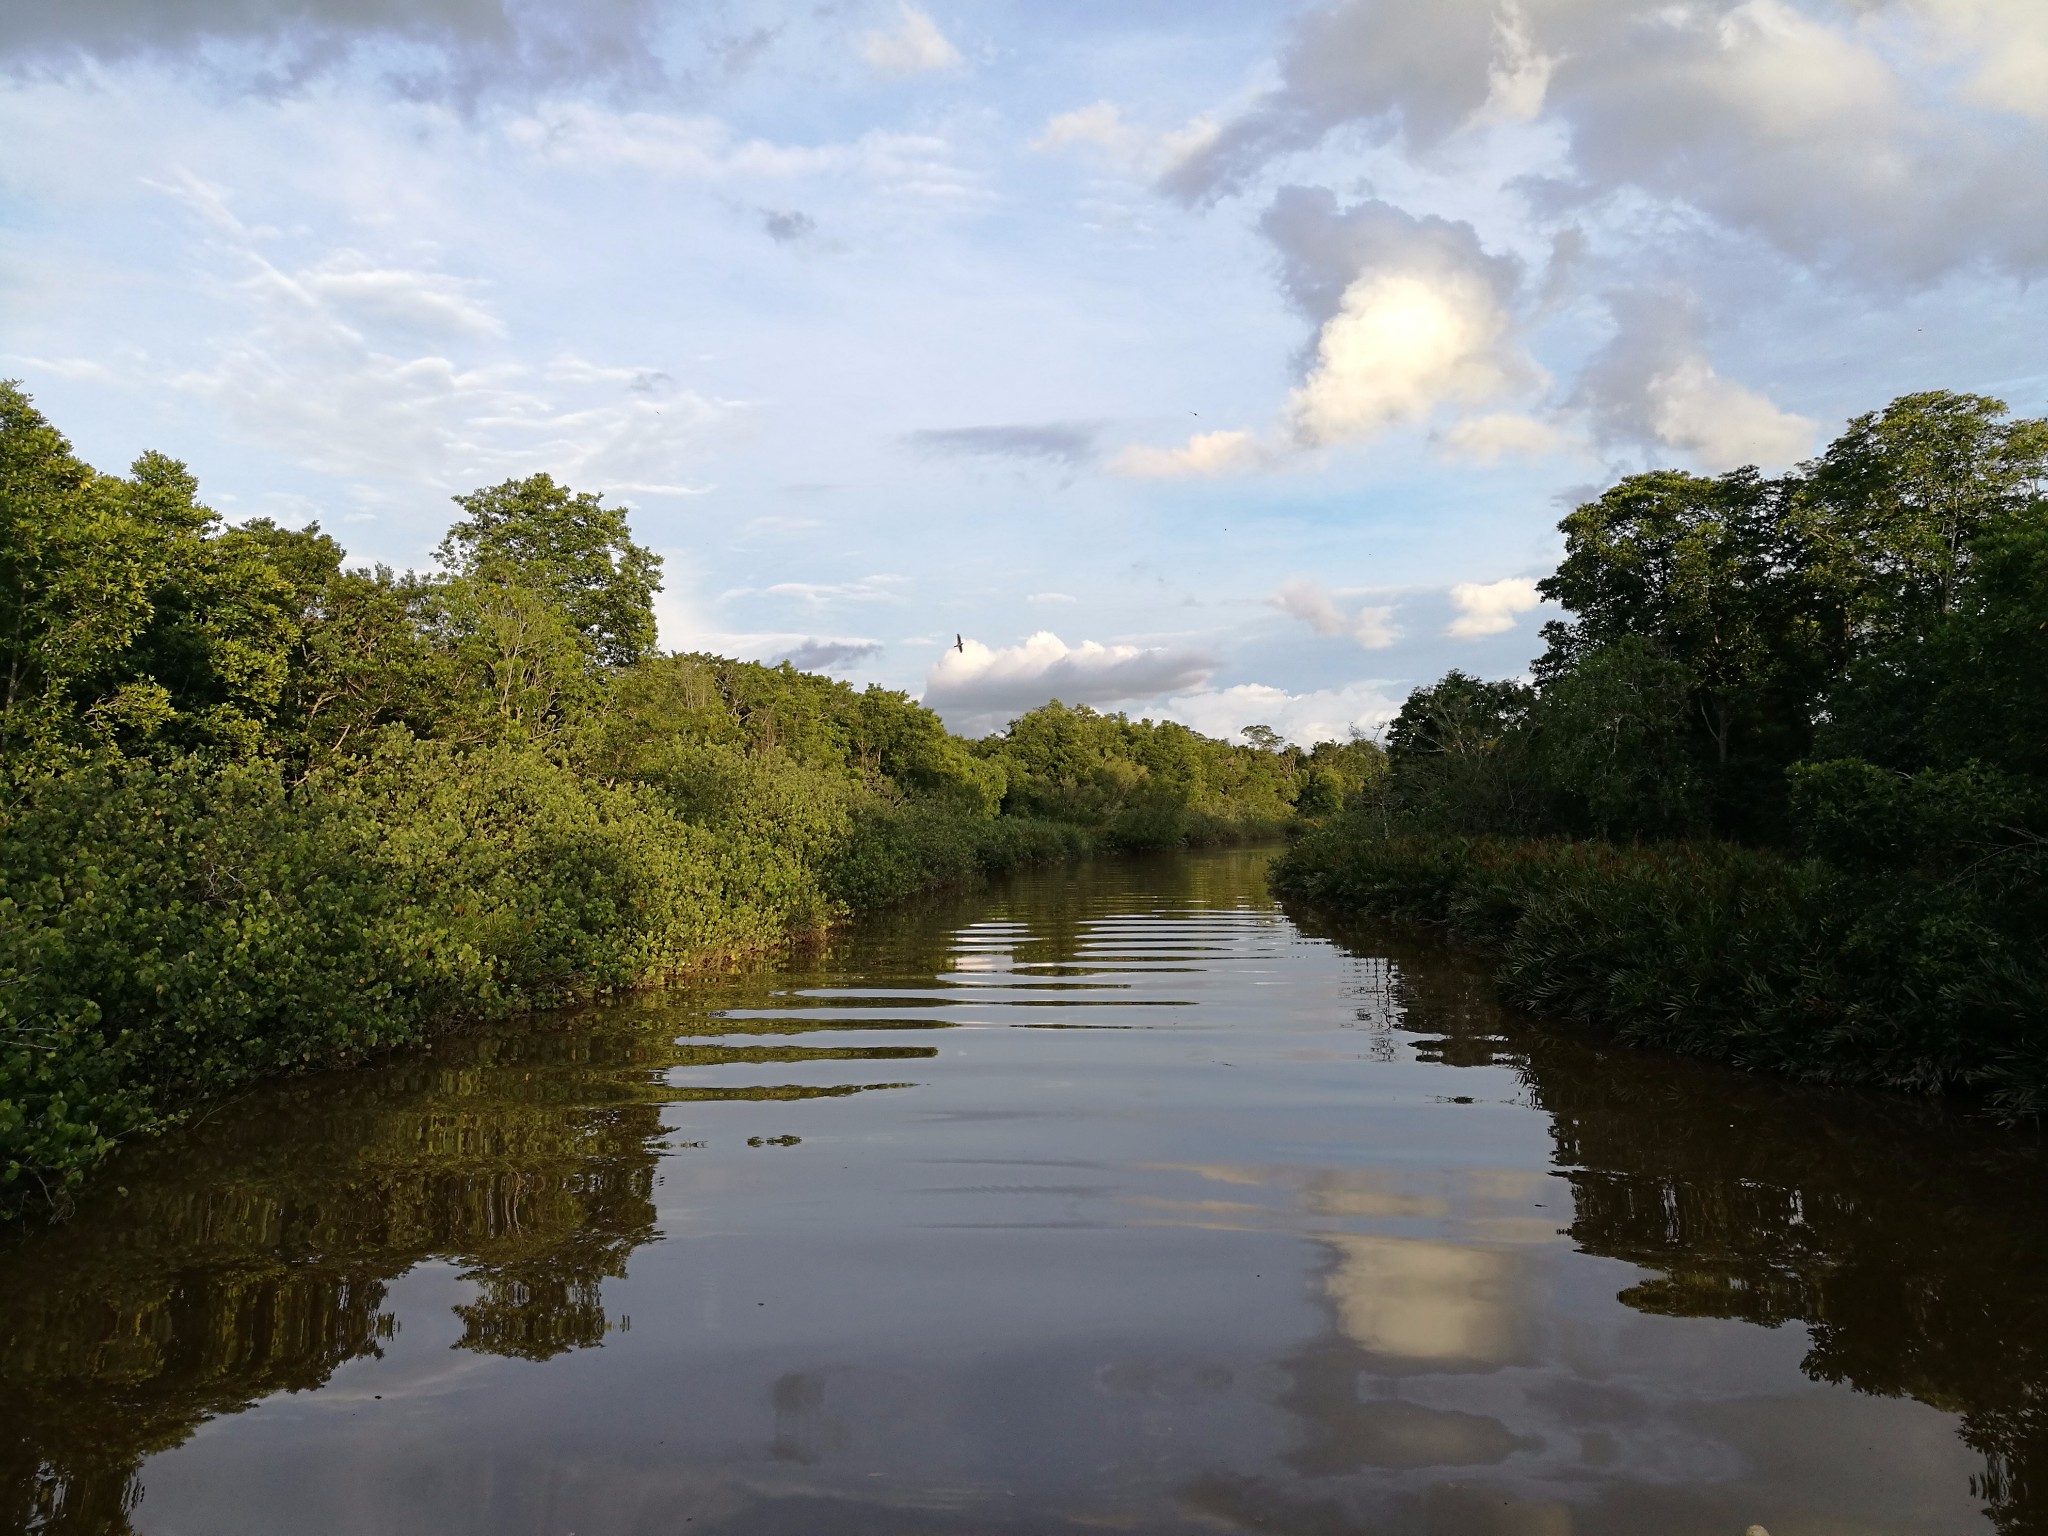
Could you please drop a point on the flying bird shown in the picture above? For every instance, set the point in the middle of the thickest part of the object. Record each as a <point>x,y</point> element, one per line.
<point>959,644</point>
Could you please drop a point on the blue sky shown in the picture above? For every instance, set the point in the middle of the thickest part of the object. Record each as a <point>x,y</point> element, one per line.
<point>1232,362</point>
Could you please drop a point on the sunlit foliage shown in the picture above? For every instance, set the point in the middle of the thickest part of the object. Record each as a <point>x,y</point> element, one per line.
<point>261,812</point>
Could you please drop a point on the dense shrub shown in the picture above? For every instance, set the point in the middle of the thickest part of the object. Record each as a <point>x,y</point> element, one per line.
<point>1710,949</point>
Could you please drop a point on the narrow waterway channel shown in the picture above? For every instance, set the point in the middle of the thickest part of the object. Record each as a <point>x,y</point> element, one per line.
<point>1105,1198</point>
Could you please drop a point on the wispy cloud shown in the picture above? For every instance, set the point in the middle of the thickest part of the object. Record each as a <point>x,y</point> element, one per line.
<point>362,368</point>
<point>884,588</point>
<point>815,655</point>
<point>1062,442</point>
<point>585,136</point>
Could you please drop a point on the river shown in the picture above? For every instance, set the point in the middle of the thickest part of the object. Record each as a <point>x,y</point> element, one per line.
<point>1105,1198</point>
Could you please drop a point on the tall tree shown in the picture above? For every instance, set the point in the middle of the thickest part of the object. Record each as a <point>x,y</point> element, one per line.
<point>1711,575</point>
<point>1896,502</point>
<point>568,547</point>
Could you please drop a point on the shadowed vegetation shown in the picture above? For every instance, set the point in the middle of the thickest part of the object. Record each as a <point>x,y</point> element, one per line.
<point>1778,791</point>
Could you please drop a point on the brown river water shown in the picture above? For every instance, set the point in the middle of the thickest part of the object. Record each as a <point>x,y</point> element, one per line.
<point>1112,1198</point>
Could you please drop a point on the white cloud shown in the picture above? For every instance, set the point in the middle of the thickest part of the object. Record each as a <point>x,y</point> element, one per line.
<point>2007,40</point>
<point>1653,383</point>
<point>1204,454</point>
<point>1413,315</point>
<point>1326,714</point>
<point>307,379</point>
<point>1308,600</point>
<point>588,137</point>
<point>1489,608</point>
<point>1402,344</point>
<point>917,46</point>
<point>422,301</point>
<point>1721,423</point>
<point>1845,141</point>
<point>1487,439</point>
<point>1518,78</point>
<point>883,588</point>
<point>1102,127</point>
<point>819,654</point>
<point>978,689</point>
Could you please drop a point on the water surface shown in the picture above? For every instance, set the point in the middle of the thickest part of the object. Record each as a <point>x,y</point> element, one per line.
<point>1109,1198</point>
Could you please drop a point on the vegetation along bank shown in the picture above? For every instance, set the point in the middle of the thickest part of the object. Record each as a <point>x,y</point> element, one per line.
<point>261,813</point>
<point>1777,793</point>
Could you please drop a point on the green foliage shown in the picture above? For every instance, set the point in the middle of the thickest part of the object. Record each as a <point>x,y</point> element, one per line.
<point>128,618</point>
<point>1613,732</point>
<point>1847,671</point>
<point>260,813</point>
<point>1710,949</point>
<point>1142,783</point>
<point>1459,758</point>
<point>569,547</point>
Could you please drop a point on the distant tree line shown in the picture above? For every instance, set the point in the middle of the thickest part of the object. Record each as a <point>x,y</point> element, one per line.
<point>262,811</point>
<point>1777,789</point>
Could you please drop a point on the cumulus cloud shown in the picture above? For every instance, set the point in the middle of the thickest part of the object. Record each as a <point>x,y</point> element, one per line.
<point>1204,455</point>
<point>1490,608</point>
<point>444,47</point>
<point>1414,315</point>
<point>814,655</point>
<point>1653,383</point>
<point>1310,601</point>
<point>916,46</point>
<point>1324,714</point>
<point>1887,153</point>
<point>1062,442</point>
<point>979,689</point>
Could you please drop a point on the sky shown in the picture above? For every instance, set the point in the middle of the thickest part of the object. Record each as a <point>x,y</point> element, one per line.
<point>1215,360</point>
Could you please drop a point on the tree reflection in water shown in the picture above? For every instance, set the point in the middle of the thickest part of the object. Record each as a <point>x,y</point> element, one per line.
<point>252,1256</point>
<point>1909,1239</point>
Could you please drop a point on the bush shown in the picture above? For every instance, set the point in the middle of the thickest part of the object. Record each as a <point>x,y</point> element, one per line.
<point>1738,955</point>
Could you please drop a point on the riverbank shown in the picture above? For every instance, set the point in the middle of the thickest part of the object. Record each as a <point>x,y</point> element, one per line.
<point>174,934</point>
<point>1732,954</point>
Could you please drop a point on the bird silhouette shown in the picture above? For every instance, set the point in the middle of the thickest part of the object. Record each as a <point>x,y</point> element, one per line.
<point>959,644</point>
